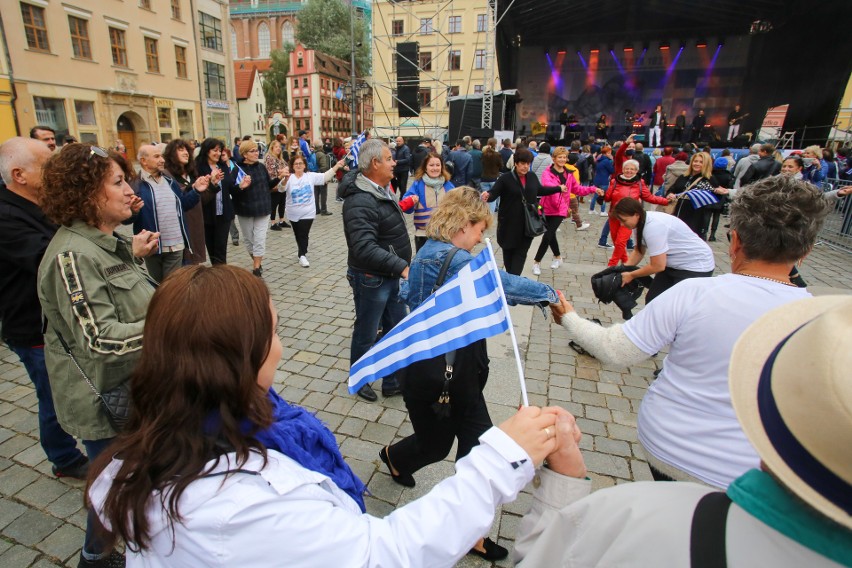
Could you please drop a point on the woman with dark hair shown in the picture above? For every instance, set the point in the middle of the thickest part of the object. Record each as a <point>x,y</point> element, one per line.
<point>830,164</point>
<point>687,426</point>
<point>601,128</point>
<point>698,177</point>
<point>94,292</point>
<point>431,182</point>
<point>674,252</point>
<point>218,212</point>
<point>216,469</point>
<point>793,166</point>
<point>181,167</point>
<point>277,167</point>
<point>513,189</point>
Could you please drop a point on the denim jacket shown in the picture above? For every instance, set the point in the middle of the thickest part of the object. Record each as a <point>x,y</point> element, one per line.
<point>425,267</point>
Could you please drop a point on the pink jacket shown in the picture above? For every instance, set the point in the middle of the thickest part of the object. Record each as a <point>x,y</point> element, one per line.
<point>557,204</point>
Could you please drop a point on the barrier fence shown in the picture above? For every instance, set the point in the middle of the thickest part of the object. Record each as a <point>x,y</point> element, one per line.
<point>837,230</point>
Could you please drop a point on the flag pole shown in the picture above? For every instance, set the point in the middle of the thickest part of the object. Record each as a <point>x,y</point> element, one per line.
<point>511,327</point>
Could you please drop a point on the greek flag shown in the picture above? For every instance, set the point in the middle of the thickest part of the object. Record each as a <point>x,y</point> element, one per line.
<point>468,307</point>
<point>356,146</point>
<point>240,173</point>
<point>702,197</point>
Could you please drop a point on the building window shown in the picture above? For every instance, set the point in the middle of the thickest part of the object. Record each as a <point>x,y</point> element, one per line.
<point>287,34</point>
<point>305,104</point>
<point>426,60</point>
<point>479,59</point>
<point>85,111</point>
<point>176,9</point>
<point>263,41</point>
<point>180,61</point>
<point>452,91</point>
<point>118,47</point>
<point>80,37</point>
<point>146,4</point>
<point>164,117</point>
<point>219,125</point>
<point>34,27</point>
<point>295,104</point>
<point>398,27</point>
<point>425,97</point>
<point>304,81</point>
<point>233,42</point>
<point>296,83</point>
<point>454,62</point>
<point>185,123</point>
<point>394,98</point>
<point>214,81</point>
<point>51,112</point>
<point>152,55</point>
<point>300,62</point>
<point>478,89</point>
<point>481,23</point>
<point>455,26</point>
<point>211,31</point>
<point>426,25</point>
<point>307,124</point>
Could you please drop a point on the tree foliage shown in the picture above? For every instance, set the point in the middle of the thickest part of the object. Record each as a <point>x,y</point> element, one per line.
<point>275,80</point>
<point>324,25</point>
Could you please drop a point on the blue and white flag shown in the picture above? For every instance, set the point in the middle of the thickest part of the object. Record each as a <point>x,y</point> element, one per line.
<point>468,307</point>
<point>240,173</point>
<point>702,197</point>
<point>356,146</point>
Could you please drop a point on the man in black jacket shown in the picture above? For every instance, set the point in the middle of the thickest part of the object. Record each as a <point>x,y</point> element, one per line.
<point>379,253</point>
<point>645,166</point>
<point>420,154</point>
<point>25,233</point>
<point>764,167</point>
<point>402,156</point>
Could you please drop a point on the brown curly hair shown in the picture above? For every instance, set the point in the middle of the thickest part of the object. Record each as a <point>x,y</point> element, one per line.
<point>72,182</point>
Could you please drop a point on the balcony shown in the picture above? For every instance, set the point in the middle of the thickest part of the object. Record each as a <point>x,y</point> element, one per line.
<point>253,7</point>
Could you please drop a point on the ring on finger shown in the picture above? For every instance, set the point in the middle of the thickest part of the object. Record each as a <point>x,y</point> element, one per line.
<point>547,432</point>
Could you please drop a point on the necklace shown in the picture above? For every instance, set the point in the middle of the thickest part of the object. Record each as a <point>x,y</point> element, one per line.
<point>767,278</point>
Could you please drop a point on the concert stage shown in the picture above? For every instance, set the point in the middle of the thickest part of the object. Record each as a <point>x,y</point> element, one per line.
<point>605,57</point>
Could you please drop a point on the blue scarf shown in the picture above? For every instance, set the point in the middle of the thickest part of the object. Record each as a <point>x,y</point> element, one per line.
<point>301,436</point>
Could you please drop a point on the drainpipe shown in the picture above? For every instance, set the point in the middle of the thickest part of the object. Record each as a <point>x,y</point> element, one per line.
<point>11,77</point>
<point>202,99</point>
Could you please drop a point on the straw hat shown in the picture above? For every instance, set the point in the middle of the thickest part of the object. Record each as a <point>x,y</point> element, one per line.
<point>791,387</point>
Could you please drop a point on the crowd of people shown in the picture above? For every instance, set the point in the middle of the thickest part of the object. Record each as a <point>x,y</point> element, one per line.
<point>212,467</point>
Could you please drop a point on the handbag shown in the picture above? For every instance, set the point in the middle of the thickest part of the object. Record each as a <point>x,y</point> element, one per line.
<point>672,208</point>
<point>116,402</point>
<point>534,220</point>
<point>442,406</point>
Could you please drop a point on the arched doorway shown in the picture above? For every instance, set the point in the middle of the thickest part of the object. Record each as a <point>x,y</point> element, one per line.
<point>127,135</point>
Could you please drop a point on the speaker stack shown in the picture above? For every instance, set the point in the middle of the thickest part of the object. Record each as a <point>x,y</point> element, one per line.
<point>408,78</point>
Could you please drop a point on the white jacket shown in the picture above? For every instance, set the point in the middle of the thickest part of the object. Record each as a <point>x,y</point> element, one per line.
<point>639,524</point>
<point>286,515</point>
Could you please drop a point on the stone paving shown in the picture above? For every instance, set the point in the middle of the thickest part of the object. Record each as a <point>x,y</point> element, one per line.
<point>41,518</point>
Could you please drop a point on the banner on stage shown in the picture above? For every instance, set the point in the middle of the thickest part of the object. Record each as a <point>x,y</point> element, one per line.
<point>501,135</point>
<point>773,122</point>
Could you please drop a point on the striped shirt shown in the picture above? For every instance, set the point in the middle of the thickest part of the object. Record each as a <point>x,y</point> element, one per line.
<point>166,204</point>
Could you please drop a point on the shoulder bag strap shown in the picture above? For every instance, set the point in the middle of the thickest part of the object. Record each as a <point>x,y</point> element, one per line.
<point>707,535</point>
<point>450,356</point>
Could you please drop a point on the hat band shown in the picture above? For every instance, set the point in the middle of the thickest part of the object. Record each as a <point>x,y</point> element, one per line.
<point>795,455</point>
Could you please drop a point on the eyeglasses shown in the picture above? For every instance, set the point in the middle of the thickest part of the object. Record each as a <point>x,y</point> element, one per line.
<point>97,151</point>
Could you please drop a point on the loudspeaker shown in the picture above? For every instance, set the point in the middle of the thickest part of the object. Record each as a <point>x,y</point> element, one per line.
<point>408,78</point>
<point>409,101</point>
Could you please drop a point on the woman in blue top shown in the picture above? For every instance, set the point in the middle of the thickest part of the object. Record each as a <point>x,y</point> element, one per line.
<point>457,223</point>
<point>431,180</point>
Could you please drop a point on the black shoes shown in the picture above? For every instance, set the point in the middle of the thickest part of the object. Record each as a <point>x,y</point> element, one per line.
<point>114,560</point>
<point>712,238</point>
<point>367,393</point>
<point>493,551</point>
<point>275,227</point>
<point>404,479</point>
<point>283,224</point>
<point>258,272</point>
<point>326,213</point>
<point>390,388</point>
<point>235,242</point>
<point>77,470</point>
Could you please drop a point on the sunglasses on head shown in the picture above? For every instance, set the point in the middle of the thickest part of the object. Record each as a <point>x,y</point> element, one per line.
<point>97,151</point>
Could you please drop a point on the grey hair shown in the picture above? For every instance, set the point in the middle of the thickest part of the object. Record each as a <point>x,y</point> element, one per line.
<point>754,149</point>
<point>778,218</point>
<point>476,144</point>
<point>370,150</point>
<point>17,152</point>
<point>633,163</point>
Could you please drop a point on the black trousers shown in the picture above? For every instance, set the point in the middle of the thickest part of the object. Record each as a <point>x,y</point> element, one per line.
<point>419,242</point>
<point>515,258</point>
<point>399,183</point>
<point>301,230</point>
<point>433,437</point>
<point>549,239</point>
<point>668,278</point>
<point>279,200</point>
<point>321,198</point>
<point>216,239</point>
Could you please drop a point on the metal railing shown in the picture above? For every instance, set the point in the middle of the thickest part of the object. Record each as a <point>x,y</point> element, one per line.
<point>836,232</point>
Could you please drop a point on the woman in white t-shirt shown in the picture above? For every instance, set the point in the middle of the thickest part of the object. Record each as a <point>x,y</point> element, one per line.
<point>675,252</point>
<point>687,425</point>
<point>301,207</point>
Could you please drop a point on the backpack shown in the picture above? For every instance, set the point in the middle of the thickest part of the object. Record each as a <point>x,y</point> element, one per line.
<point>312,162</point>
<point>331,160</point>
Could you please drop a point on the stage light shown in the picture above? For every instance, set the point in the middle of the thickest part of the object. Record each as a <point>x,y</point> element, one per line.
<point>628,48</point>
<point>664,46</point>
<point>594,50</point>
<point>561,52</point>
<point>701,43</point>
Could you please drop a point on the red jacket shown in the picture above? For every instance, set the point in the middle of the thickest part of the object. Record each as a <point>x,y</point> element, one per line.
<point>660,168</point>
<point>619,189</point>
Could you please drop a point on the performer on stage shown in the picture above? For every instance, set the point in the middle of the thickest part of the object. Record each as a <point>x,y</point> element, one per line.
<point>734,119</point>
<point>601,128</point>
<point>697,126</point>
<point>680,126</point>
<point>563,121</point>
<point>628,122</point>
<point>655,127</point>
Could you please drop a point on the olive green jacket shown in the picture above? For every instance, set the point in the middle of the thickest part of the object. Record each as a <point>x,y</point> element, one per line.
<point>95,294</point>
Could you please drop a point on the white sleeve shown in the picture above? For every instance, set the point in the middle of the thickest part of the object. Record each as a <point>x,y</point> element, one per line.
<point>656,325</point>
<point>316,178</point>
<point>656,239</point>
<point>434,531</point>
<point>609,345</point>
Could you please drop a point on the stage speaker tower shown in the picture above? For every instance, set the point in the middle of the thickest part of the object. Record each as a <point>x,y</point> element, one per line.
<point>408,78</point>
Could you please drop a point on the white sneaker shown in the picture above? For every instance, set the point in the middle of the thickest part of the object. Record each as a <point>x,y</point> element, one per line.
<point>303,260</point>
<point>604,214</point>
<point>537,269</point>
<point>557,262</point>
<point>583,227</point>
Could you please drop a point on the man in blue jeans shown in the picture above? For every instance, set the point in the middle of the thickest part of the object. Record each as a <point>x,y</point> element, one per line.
<point>25,233</point>
<point>379,252</point>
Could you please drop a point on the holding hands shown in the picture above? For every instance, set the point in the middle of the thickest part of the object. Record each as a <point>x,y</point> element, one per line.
<point>484,196</point>
<point>145,243</point>
<point>216,175</point>
<point>550,433</point>
<point>560,309</point>
<point>600,192</point>
<point>246,182</point>
<point>201,184</point>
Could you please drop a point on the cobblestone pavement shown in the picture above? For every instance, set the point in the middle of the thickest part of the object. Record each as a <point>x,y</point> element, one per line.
<point>41,518</point>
